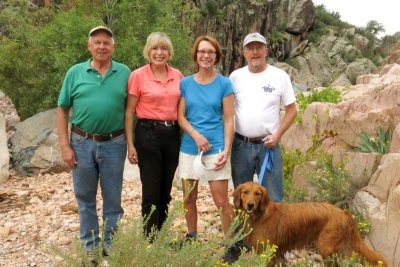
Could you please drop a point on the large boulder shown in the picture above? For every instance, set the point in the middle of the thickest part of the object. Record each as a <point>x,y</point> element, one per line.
<point>301,16</point>
<point>35,147</point>
<point>393,57</point>
<point>377,107</point>
<point>359,67</point>
<point>361,166</point>
<point>395,144</point>
<point>316,121</point>
<point>4,154</point>
<point>386,177</point>
<point>342,80</point>
<point>380,202</point>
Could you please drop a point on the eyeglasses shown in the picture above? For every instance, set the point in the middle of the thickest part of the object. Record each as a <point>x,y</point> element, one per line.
<point>203,52</point>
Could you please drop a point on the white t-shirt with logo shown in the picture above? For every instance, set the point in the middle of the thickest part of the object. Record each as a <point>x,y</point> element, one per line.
<point>258,97</point>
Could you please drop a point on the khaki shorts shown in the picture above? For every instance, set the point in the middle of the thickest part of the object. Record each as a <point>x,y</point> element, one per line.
<point>185,168</point>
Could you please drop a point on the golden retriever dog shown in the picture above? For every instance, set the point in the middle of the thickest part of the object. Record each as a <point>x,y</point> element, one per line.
<point>295,226</point>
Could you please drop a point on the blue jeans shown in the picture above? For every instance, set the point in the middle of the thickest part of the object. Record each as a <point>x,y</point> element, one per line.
<point>247,158</point>
<point>104,162</point>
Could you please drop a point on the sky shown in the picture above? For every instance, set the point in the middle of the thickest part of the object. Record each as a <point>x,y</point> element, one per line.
<point>359,12</point>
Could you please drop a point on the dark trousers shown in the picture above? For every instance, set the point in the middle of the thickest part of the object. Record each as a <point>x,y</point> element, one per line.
<point>157,147</point>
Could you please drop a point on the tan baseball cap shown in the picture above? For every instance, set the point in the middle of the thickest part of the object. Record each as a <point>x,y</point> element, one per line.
<point>101,28</point>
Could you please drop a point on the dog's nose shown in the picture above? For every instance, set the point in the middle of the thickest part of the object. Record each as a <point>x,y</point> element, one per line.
<point>250,205</point>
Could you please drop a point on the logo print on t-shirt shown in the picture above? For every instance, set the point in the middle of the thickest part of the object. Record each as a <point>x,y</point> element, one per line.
<point>268,88</point>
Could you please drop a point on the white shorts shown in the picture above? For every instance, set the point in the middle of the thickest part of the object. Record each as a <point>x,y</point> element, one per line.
<point>186,171</point>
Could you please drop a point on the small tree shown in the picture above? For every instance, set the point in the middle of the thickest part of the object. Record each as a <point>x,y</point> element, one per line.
<point>374,27</point>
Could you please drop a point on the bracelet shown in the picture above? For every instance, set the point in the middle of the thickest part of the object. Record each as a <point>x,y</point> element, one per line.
<point>191,131</point>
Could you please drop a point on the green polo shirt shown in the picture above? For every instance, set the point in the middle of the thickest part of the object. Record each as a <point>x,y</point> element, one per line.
<point>98,102</point>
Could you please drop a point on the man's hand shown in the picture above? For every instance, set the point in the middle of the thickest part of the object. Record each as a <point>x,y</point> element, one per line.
<point>68,156</point>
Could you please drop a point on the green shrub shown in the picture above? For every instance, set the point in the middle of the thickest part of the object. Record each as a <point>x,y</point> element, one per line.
<point>278,37</point>
<point>132,248</point>
<point>290,160</point>
<point>363,225</point>
<point>41,45</point>
<point>328,94</point>
<point>329,18</point>
<point>331,180</point>
<point>317,32</point>
<point>354,261</point>
<point>371,144</point>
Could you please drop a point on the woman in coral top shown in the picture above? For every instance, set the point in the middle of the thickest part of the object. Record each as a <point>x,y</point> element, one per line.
<point>153,96</point>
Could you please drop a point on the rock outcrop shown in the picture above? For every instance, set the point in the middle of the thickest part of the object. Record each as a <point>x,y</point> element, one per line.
<point>380,201</point>
<point>35,146</point>
<point>332,58</point>
<point>372,104</point>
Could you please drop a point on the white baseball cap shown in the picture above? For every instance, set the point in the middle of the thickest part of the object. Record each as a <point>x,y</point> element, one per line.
<point>254,37</point>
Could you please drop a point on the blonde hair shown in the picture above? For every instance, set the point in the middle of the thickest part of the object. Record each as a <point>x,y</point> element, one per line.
<point>154,39</point>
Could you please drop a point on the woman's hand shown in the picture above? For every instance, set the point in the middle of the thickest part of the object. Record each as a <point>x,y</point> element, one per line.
<point>132,155</point>
<point>201,142</point>
<point>223,157</point>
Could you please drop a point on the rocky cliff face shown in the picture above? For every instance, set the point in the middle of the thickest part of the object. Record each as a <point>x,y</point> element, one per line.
<point>238,18</point>
<point>336,59</point>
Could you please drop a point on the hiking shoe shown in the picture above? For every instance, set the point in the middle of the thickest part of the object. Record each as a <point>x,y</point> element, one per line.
<point>233,252</point>
<point>104,252</point>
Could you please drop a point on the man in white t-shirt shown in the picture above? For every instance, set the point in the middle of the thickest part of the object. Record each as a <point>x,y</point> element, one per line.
<point>259,90</point>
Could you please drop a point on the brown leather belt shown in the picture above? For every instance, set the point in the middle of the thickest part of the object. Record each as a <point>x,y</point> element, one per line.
<point>96,137</point>
<point>252,140</point>
<point>158,122</point>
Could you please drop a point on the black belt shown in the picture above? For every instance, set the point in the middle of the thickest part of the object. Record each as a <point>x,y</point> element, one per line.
<point>158,122</point>
<point>96,137</point>
<point>253,140</point>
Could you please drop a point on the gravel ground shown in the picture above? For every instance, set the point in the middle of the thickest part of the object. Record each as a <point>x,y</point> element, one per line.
<point>36,212</point>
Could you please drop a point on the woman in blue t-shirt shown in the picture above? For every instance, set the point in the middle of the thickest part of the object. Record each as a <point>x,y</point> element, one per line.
<point>206,114</point>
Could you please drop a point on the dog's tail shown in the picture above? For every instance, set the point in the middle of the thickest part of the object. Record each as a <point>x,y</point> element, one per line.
<point>371,255</point>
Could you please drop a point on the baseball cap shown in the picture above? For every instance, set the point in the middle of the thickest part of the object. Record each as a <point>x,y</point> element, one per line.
<point>254,37</point>
<point>101,28</point>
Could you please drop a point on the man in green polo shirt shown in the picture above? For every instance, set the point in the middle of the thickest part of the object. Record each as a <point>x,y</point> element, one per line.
<point>96,149</point>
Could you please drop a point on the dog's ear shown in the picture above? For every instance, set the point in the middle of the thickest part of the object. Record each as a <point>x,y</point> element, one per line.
<point>264,199</point>
<point>236,197</point>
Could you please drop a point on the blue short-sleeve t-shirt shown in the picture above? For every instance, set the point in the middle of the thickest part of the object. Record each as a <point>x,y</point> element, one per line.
<point>204,111</point>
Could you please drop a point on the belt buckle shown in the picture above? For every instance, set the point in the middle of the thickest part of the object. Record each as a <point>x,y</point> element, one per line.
<point>94,136</point>
<point>168,123</point>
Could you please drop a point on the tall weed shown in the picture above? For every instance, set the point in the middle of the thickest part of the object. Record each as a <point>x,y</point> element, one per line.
<point>168,248</point>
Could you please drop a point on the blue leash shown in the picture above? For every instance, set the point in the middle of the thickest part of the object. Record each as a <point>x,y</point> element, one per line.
<point>268,164</point>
